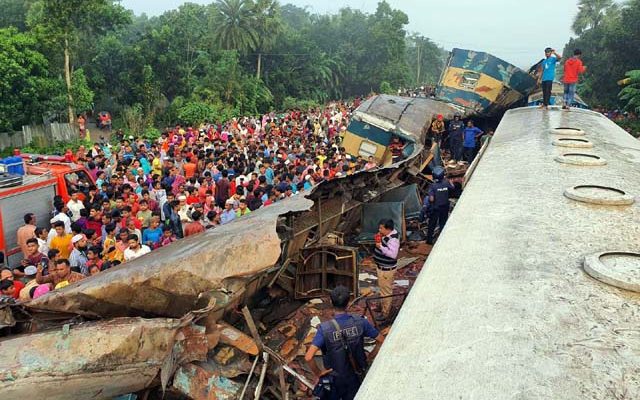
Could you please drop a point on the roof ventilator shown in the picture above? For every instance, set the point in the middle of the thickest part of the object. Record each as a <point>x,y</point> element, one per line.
<point>602,195</point>
<point>616,268</point>
<point>573,142</point>
<point>582,159</point>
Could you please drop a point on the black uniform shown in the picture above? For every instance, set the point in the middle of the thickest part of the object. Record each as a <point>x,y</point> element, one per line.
<point>440,192</point>
<point>456,129</point>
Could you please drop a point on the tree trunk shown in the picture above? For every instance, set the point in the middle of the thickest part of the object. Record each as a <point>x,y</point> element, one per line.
<point>259,65</point>
<point>67,79</point>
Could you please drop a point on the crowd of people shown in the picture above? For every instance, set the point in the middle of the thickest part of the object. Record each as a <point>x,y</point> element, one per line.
<point>149,194</point>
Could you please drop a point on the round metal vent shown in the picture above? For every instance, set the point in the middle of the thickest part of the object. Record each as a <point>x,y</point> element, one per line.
<point>573,142</point>
<point>595,194</point>
<point>568,131</point>
<point>616,268</point>
<point>582,159</point>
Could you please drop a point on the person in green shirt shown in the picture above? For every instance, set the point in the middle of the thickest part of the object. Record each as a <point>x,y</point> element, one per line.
<point>242,208</point>
<point>144,215</point>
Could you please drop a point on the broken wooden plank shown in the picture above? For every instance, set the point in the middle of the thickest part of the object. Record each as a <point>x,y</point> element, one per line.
<point>238,339</point>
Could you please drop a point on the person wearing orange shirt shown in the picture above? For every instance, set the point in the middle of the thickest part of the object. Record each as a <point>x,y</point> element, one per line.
<point>61,241</point>
<point>189,168</point>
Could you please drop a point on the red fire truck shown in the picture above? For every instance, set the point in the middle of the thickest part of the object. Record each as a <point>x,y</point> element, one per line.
<point>33,191</point>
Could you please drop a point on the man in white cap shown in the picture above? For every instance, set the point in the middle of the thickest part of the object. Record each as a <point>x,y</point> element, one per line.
<point>30,279</point>
<point>183,212</point>
<point>78,258</point>
<point>228,214</point>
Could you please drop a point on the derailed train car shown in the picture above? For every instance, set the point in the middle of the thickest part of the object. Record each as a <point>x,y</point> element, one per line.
<point>381,118</point>
<point>483,83</point>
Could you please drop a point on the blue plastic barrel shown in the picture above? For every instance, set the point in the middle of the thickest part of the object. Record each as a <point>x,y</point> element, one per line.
<point>14,165</point>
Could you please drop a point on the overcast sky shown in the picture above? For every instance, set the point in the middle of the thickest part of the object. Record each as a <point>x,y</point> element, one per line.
<point>515,30</point>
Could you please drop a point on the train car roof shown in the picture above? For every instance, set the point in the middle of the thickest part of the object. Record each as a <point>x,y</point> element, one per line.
<point>406,116</point>
<point>503,308</point>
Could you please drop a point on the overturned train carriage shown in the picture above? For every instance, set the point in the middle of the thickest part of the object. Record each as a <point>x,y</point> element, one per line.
<point>382,117</point>
<point>482,83</point>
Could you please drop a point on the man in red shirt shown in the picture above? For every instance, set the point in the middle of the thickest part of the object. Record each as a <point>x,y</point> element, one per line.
<point>573,68</point>
<point>195,226</point>
<point>11,288</point>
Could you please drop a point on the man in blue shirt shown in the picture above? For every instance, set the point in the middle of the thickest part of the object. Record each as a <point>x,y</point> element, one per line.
<point>342,343</point>
<point>548,74</point>
<point>471,133</point>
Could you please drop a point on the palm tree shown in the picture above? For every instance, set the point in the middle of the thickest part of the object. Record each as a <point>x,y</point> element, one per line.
<point>233,25</point>
<point>591,13</point>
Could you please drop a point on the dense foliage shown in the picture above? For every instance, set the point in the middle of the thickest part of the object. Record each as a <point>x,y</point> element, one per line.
<point>609,37</point>
<point>231,57</point>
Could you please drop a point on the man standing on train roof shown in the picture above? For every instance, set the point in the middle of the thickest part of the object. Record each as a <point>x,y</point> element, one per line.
<point>573,68</point>
<point>547,74</point>
<point>438,194</point>
<point>341,340</point>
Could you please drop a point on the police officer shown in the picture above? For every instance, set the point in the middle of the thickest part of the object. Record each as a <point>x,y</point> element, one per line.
<point>439,198</point>
<point>456,130</point>
<point>342,343</point>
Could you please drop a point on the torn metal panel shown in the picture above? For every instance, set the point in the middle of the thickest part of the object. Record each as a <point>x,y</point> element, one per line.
<point>198,383</point>
<point>96,360</point>
<point>168,281</point>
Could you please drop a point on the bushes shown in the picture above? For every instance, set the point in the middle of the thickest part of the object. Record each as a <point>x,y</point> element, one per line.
<point>290,103</point>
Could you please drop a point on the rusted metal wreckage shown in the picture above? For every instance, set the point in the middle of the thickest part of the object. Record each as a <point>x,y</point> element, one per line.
<point>155,319</point>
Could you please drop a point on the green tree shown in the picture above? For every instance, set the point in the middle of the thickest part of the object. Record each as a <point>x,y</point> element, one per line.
<point>25,86</point>
<point>64,22</point>
<point>591,13</point>
<point>267,23</point>
<point>233,25</point>
<point>14,13</point>
<point>630,94</point>
<point>607,52</point>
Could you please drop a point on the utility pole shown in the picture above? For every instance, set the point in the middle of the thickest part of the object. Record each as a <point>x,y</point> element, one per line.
<point>419,46</point>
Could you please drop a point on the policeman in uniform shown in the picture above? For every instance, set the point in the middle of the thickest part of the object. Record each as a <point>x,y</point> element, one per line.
<point>342,343</point>
<point>439,198</point>
<point>456,130</point>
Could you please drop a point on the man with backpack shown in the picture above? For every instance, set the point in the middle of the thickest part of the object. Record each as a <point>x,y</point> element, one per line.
<point>341,340</point>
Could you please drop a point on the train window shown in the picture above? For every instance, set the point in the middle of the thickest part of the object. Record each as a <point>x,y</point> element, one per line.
<point>469,80</point>
<point>367,149</point>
